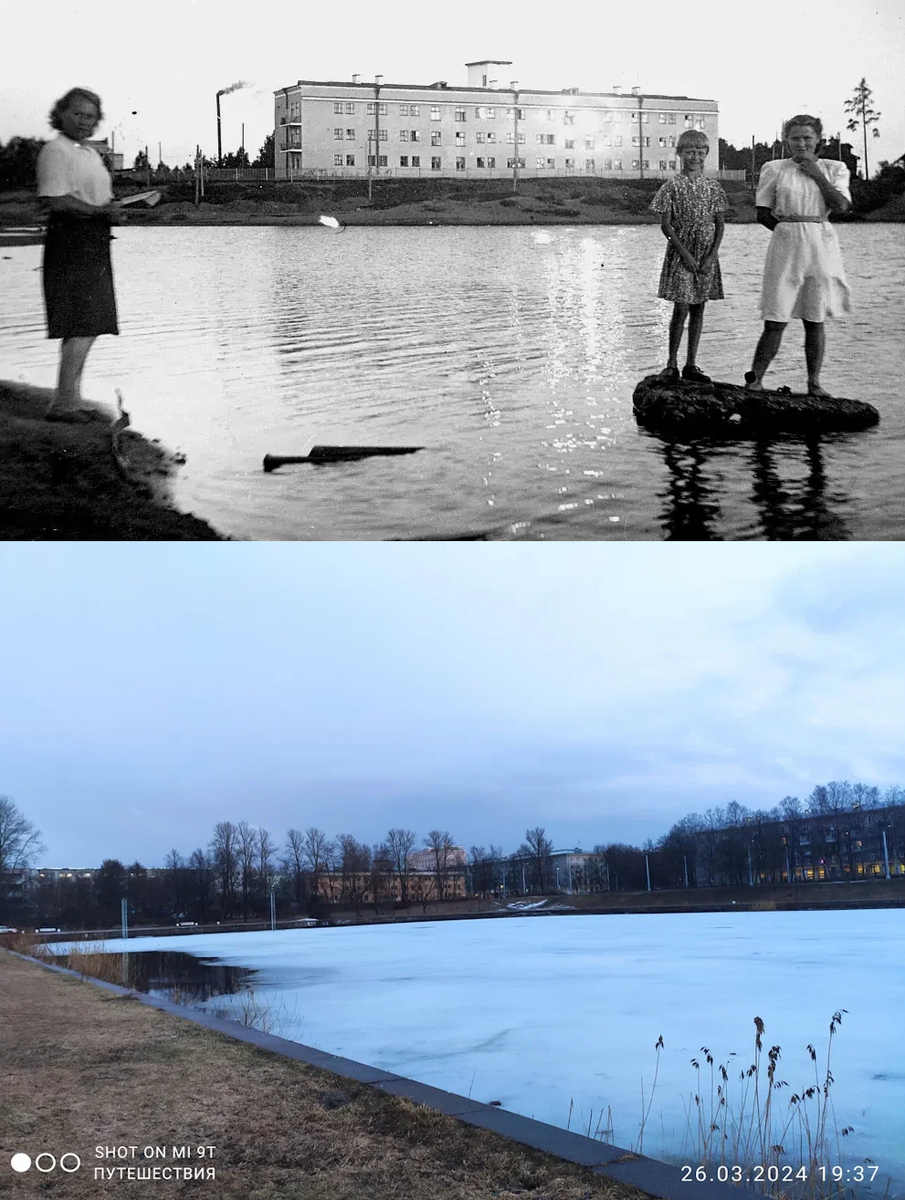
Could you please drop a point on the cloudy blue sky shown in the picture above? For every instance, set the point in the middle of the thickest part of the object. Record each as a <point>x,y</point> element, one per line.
<point>599,690</point>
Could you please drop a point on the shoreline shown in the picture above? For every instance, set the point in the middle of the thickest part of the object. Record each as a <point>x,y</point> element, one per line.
<point>62,483</point>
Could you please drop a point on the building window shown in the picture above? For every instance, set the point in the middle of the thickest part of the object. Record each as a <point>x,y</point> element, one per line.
<point>350,106</point>
<point>491,162</point>
<point>672,118</point>
<point>589,164</point>
<point>460,139</point>
<point>570,143</point>
<point>460,114</point>
<point>617,139</point>
<point>551,163</point>
<point>662,118</point>
<point>416,160</point>
<point>644,118</point>
<point>589,143</point>
<point>491,136</point>
<point>480,112</point>
<point>460,164</point>
<point>381,109</point>
<point>403,135</point>
<point>403,160</point>
<point>700,123</point>
<point>521,138</point>
<point>539,162</point>
<point>350,160</point>
<point>662,143</point>
<point>479,137</point>
<point>662,164</point>
<point>636,140</point>
<point>568,118</point>
<point>337,106</point>
<point>435,112</point>
<point>350,135</point>
<point>510,138</point>
<point>607,164</point>
<point>435,137</point>
<point>617,164</point>
<point>689,120</point>
<point>337,160</point>
<point>414,110</point>
<point>672,140</point>
<point>403,110</point>
<point>372,161</point>
<point>416,136</point>
<point>570,164</point>
<point>479,162</point>
<point>337,135</point>
<point>511,162</point>
<point>381,160</point>
<point>435,164</point>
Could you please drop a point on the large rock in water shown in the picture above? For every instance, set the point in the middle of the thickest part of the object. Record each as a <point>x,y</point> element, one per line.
<point>729,410</point>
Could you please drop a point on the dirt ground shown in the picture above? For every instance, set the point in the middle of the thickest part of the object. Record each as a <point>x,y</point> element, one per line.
<point>61,482</point>
<point>82,1068</point>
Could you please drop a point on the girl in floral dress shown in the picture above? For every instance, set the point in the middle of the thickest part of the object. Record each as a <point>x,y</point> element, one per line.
<point>691,208</point>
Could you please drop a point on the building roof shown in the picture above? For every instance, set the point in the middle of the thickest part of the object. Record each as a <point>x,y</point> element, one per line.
<point>523,91</point>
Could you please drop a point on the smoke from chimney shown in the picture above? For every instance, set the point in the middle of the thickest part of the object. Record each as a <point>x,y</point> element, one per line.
<point>234,87</point>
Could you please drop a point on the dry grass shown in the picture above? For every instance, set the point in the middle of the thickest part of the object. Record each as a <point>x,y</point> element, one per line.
<point>83,1068</point>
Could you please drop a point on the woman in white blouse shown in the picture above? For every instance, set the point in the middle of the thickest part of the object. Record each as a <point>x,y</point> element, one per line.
<point>78,277</point>
<point>803,274</point>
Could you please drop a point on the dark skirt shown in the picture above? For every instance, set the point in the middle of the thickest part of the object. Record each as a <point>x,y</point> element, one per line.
<point>78,277</point>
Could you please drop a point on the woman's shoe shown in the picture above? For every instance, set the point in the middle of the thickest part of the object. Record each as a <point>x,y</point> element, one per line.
<point>693,375</point>
<point>669,375</point>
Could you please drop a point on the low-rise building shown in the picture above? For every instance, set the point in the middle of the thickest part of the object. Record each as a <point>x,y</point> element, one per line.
<point>489,128</point>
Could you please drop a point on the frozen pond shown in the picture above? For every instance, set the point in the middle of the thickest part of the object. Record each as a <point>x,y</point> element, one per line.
<point>544,1013</point>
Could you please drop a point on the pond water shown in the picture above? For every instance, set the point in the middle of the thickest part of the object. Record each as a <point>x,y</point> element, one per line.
<point>509,354</point>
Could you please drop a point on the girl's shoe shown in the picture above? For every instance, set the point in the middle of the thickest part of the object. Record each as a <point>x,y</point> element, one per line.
<point>693,375</point>
<point>669,375</point>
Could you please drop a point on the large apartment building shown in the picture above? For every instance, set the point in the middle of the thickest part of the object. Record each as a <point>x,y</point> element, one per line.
<point>491,128</point>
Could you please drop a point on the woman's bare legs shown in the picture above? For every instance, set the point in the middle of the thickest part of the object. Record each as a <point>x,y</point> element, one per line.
<point>814,347</point>
<point>73,353</point>
<point>764,354</point>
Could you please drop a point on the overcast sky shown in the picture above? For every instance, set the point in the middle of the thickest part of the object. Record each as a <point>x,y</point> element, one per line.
<point>599,690</point>
<point>166,63</point>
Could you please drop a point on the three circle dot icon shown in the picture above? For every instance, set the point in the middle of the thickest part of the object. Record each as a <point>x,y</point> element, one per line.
<point>45,1162</point>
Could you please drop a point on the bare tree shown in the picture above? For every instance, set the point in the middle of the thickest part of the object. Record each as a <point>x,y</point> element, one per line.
<point>355,869</point>
<point>441,845</point>
<point>246,846</point>
<point>538,848</point>
<point>20,841</point>
<point>319,851</point>
<point>265,848</point>
<point>294,864</point>
<point>224,853</point>
<point>400,843</point>
<point>200,884</point>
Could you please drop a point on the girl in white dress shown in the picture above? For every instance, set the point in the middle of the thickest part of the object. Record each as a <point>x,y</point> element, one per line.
<point>803,274</point>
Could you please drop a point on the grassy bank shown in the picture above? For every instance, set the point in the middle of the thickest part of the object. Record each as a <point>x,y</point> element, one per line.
<point>83,1068</point>
<point>400,202</point>
<point>61,482</point>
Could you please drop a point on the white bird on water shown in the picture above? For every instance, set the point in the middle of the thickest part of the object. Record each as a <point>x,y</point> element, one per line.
<point>331,223</point>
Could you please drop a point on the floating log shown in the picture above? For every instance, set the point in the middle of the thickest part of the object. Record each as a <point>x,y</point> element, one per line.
<point>730,410</point>
<point>329,454</point>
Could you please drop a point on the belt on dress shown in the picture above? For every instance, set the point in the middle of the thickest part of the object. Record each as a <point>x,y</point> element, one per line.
<point>820,219</point>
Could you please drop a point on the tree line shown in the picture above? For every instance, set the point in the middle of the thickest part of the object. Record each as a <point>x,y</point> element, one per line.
<point>233,876</point>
